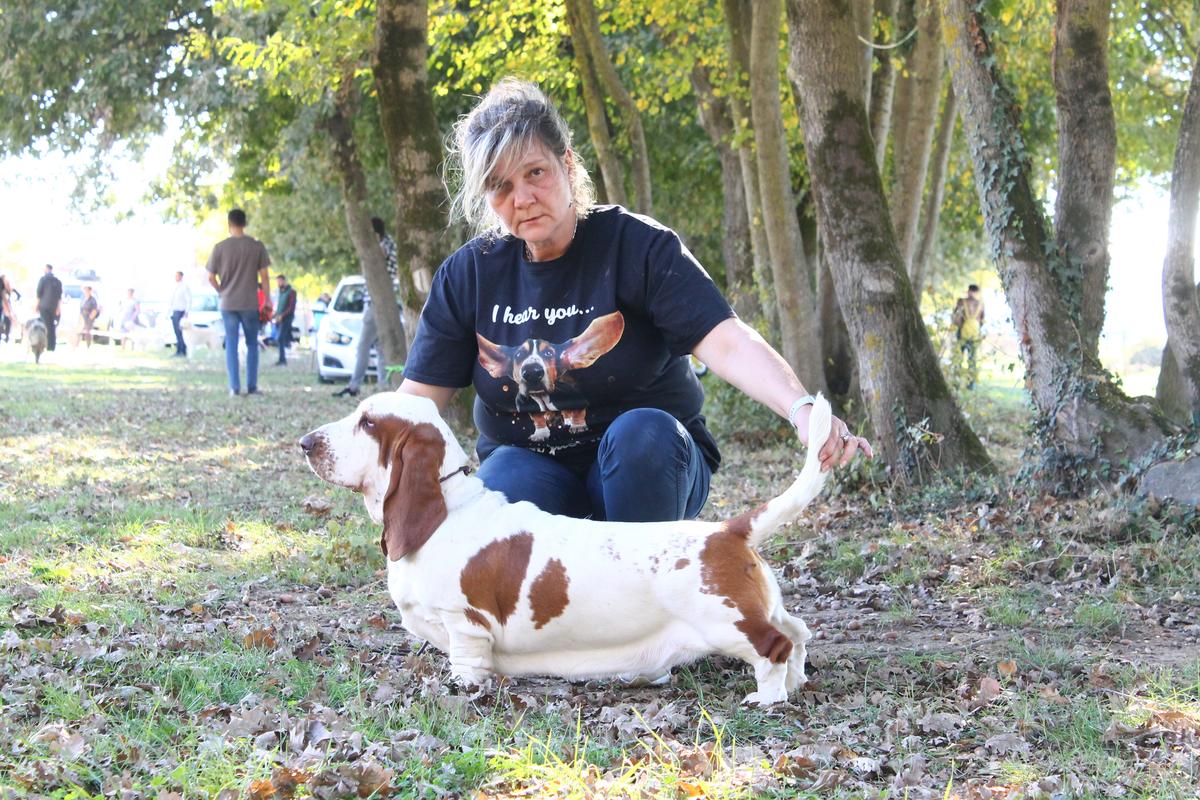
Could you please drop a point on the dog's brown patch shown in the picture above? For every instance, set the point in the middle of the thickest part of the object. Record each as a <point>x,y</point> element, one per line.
<point>729,568</point>
<point>413,507</point>
<point>742,523</point>
<point>548,593</point>
<point>681,563</point>
<point>475,618</point>
<point>492,578</point>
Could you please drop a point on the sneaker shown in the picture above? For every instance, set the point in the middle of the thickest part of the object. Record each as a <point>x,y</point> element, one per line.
<point>347,392</point>
<point>253,391</point>
<point>233,392</point>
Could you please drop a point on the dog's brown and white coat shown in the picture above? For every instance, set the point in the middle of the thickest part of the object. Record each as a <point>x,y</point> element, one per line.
<point>507,588</point>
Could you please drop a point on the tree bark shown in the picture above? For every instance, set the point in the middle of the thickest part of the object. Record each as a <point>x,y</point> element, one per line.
<point>1082,416</point>
<point>1087,157</point>
<point>1180,303</point>
<point>864,25</point>
<point>931,208</point>
<point>393,346</point>
<point>735,222</point>
<point>588,35</point>
<point>914,141</point>
<point>413,144</point>
<point>916,421</point>
<point>1170,392</point>
<point>611,174</point>
<point>837,352</point>
<point>792,277</point>
<point>738,14</point>
<point>883,85</point>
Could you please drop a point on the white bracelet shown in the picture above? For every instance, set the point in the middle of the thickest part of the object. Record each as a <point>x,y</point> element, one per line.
<point>800,403</point>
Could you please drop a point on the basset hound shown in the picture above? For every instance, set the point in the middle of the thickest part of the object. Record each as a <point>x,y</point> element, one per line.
<point>505,588</point>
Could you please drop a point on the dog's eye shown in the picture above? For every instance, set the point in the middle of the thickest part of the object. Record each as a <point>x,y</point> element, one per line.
<point>366,423</point>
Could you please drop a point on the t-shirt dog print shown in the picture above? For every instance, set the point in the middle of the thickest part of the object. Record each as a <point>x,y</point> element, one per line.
<point>541,370</point>
<point>557,349</point>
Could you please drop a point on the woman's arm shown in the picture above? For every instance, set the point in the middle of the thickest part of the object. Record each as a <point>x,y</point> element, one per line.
<point>440,395</point>
<point>741,357</point>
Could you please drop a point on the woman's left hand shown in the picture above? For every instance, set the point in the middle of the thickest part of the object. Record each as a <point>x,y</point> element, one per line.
<point>842,446</point>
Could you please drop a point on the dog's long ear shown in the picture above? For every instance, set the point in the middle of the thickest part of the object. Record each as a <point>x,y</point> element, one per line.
<point>596,340</point>
<point>494,358</point>
<point>413,507</point>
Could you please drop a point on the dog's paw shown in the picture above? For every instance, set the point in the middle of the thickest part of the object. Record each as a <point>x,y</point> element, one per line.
<point>539,434</point>
<point>471,677</point>
<point>764,698</point>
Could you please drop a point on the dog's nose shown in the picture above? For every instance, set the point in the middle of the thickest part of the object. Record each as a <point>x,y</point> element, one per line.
<point>308,442</point>
<point>533,373</point>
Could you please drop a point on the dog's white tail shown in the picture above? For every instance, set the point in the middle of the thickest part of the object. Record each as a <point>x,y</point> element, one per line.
<point>787,506</point>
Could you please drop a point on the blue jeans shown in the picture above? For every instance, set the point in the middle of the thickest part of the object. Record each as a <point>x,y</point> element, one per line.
<point>248,321</point>
<point>284,337</point>
<point>176,323</point>
<point>647,469</point>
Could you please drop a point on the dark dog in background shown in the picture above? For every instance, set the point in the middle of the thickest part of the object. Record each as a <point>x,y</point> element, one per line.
<point>36,337</point>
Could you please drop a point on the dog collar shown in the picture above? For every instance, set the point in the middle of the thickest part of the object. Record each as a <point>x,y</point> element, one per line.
<point>464,469</point>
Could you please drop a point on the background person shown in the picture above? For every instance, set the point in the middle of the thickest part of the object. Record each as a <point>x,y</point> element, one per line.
<point>127,318</point>
<point>181,301</point>
<point>49,304</point>
<point>89,311</point>
<point>6,313</point>
<point>574,322</point>
<point>369,336</point>
<point>238,270</point>
<point>285,305</point>
<point>968,330</point>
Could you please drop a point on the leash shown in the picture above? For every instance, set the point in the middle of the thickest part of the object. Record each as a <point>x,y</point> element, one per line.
<point>464,469</point>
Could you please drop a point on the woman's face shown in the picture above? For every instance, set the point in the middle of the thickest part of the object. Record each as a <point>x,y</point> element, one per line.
<point>532,196</point>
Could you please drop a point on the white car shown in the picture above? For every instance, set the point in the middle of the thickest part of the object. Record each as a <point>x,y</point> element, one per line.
<point>338,332</point>
<point>201,326</point>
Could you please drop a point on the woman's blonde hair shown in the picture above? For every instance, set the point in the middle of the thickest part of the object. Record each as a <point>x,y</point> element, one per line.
<point>514,117</point>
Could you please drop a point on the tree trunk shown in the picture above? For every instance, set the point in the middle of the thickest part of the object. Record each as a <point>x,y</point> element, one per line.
<point>588,35</point>
<point>611,175</point>
<point>792,277</point>
<point>864,25</point>
<point>914,141</point>
<point>737,21</point>
<point>735,222</point>
<point>932,208</point>
<point>1179,272</point>
<point>1083,416</point>
<point>917,424</point>
<point>1087,154</point>
<point>413,144</point>
<point>1170,392</point>
<point>883,84</point>
<point>837,352</point>
<point>393,347</point>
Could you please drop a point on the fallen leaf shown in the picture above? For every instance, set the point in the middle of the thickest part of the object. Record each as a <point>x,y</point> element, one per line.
<point>263,638</point>
<point>1007,668</point>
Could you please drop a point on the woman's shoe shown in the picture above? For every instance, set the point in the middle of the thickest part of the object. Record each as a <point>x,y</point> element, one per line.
<point>347,392</point>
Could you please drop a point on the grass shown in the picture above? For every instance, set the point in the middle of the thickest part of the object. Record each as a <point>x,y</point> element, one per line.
<point>176,622</point>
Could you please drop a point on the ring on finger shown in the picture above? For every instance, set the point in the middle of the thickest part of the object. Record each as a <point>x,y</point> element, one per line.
<point>846,437</point>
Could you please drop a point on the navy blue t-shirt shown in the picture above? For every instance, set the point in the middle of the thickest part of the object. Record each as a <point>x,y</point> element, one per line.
<point>557,349</point>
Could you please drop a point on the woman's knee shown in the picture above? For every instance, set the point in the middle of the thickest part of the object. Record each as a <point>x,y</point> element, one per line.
<point>646,435</point>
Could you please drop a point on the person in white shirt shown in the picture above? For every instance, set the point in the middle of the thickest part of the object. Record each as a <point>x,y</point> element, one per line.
<point>181,301</point>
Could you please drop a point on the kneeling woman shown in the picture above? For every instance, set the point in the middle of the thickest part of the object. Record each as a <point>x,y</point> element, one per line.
<point>574,321</point>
